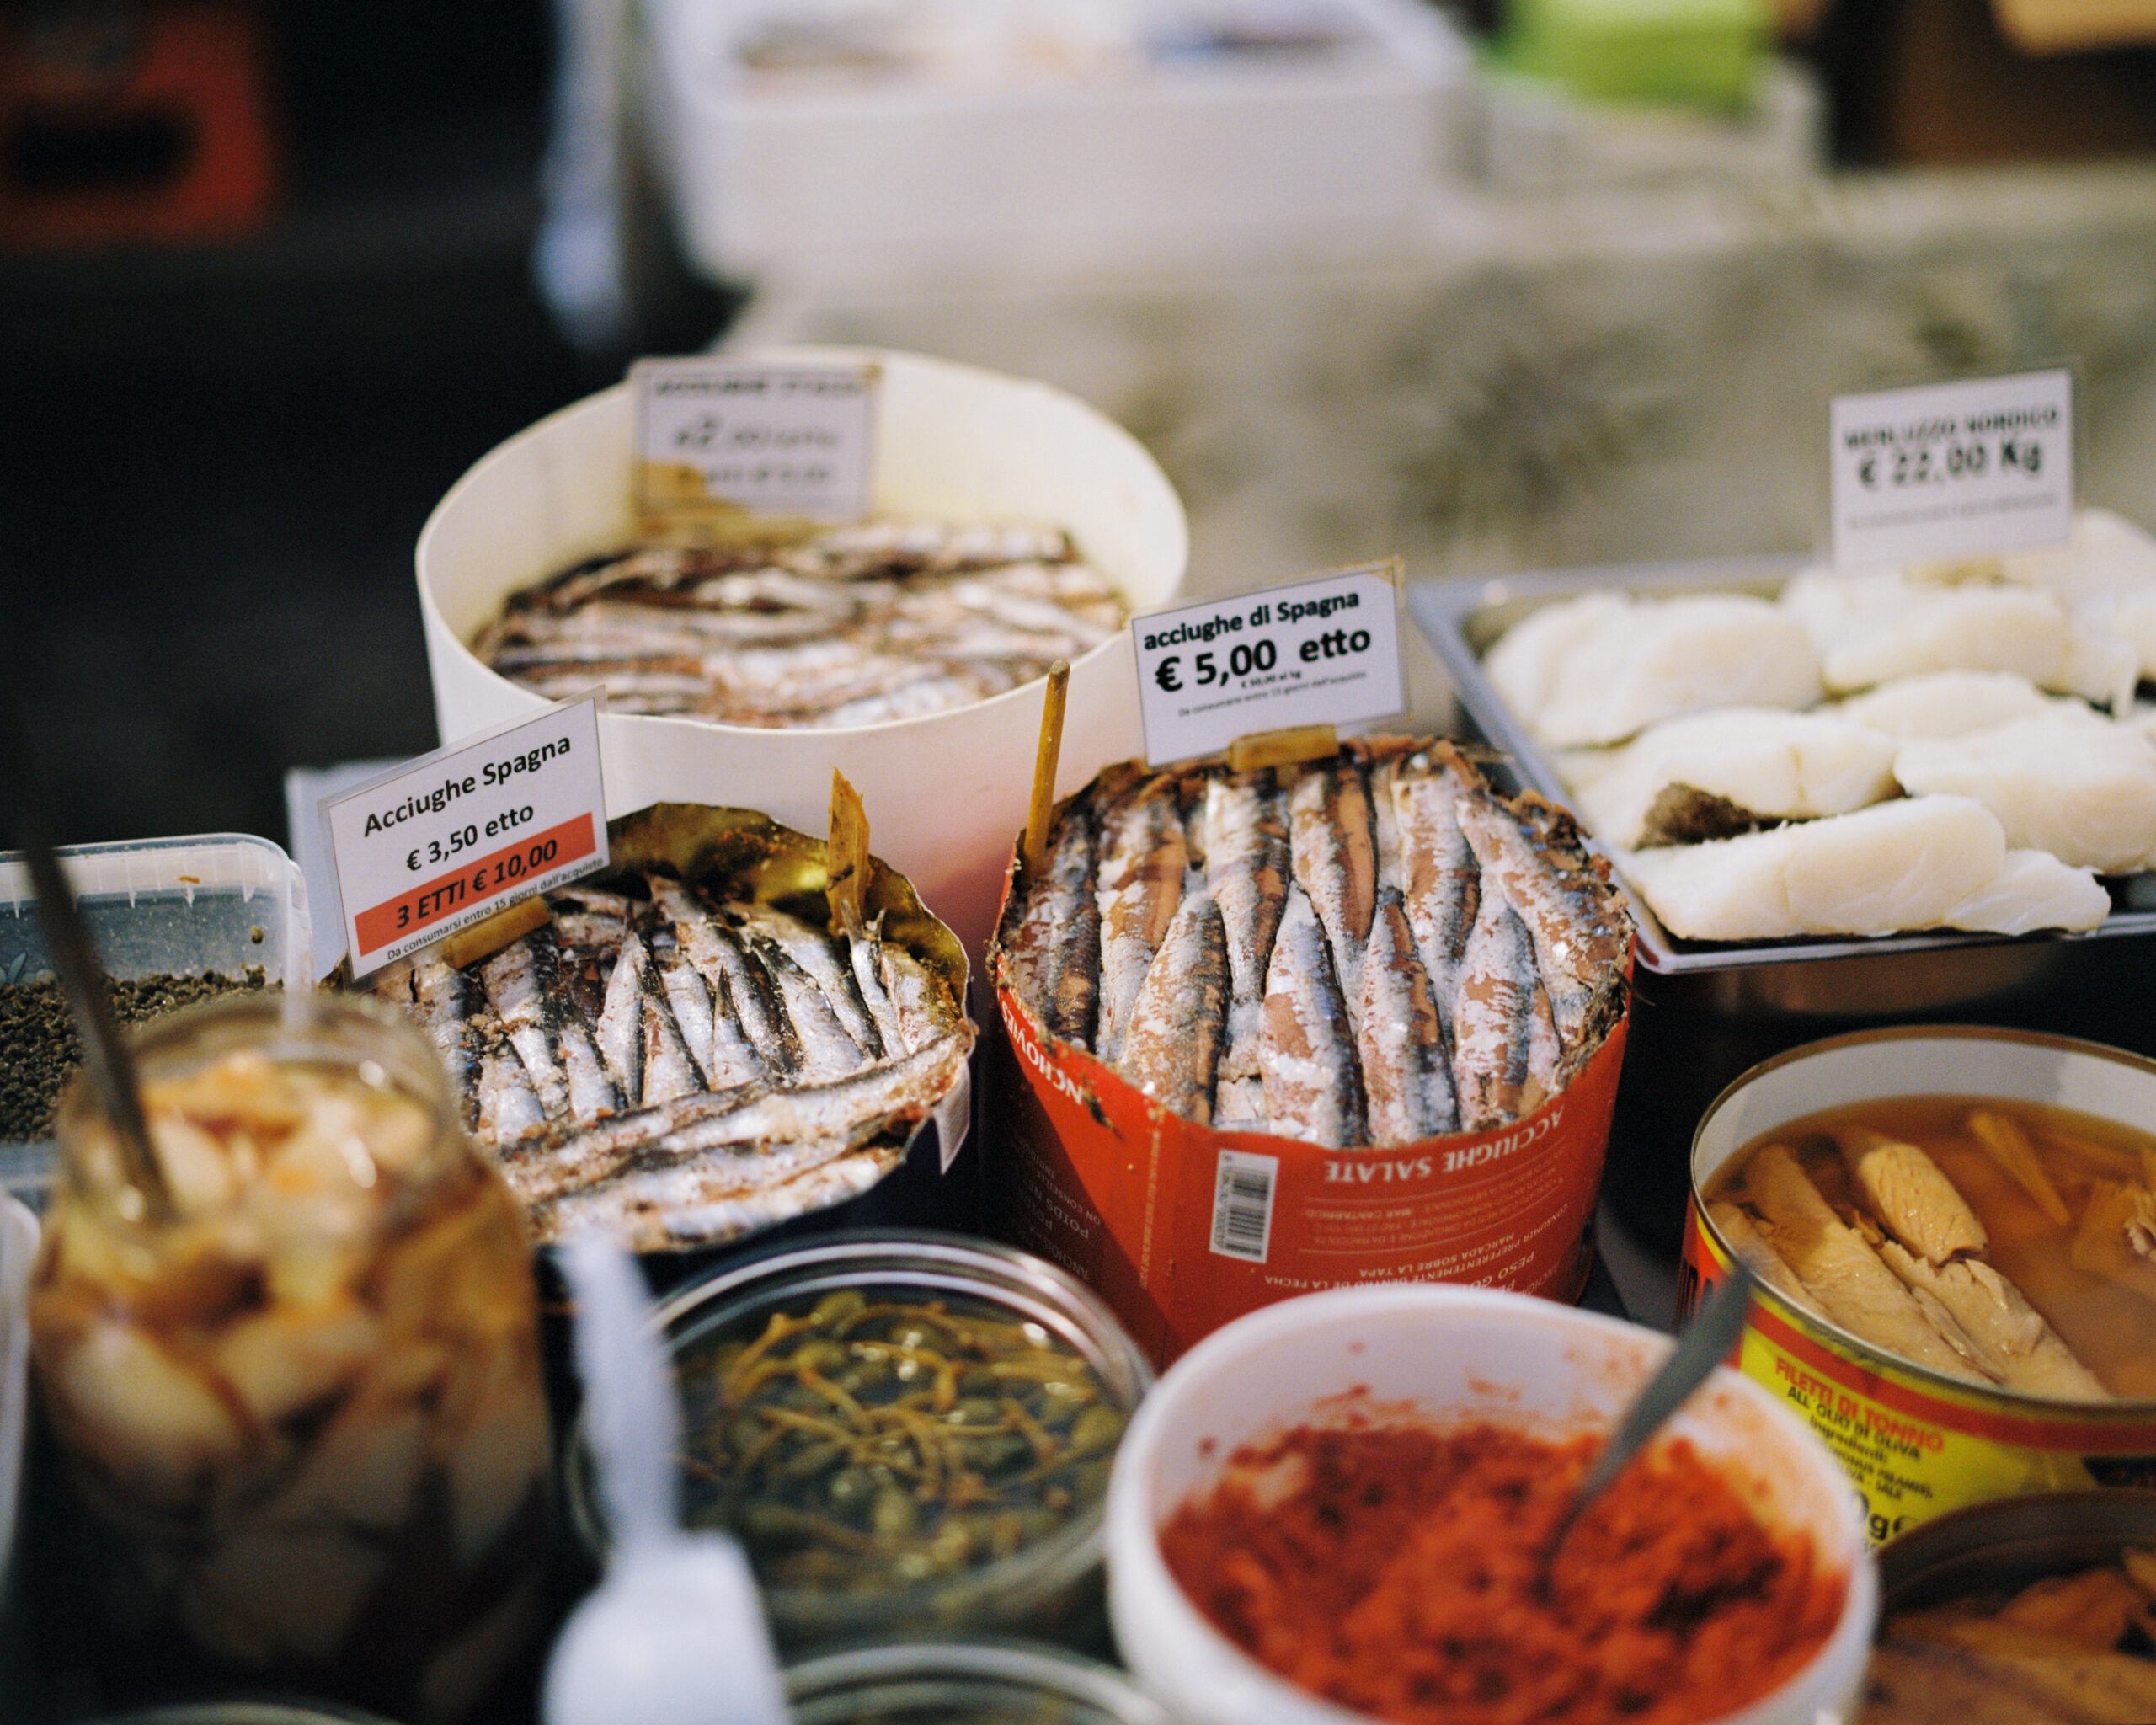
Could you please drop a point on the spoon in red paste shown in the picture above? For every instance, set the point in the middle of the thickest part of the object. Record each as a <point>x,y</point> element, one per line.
<point>1705,1344</point>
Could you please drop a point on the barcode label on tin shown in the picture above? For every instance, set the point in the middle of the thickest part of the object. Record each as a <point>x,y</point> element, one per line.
<point>1242,1205</point>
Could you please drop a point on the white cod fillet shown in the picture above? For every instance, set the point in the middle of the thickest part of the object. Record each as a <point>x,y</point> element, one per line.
<point>1872,626</point>
<point>1894,866</point>
<point>1600,667</point>
<point>2035,890</point>
<point>1775,764</point>
<point>2105,574</point>
<point>1943,703</point>
<point>2067,780</point>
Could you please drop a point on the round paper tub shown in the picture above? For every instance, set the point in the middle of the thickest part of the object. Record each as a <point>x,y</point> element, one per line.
<point>944,794</point>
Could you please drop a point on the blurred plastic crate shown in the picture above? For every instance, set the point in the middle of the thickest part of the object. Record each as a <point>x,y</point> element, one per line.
<point>809,143</point>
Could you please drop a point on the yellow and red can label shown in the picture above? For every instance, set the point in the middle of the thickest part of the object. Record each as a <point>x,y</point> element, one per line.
<point>1914,1444</point>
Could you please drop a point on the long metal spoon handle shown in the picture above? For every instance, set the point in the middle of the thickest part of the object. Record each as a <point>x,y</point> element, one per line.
<point>1705,1344</point>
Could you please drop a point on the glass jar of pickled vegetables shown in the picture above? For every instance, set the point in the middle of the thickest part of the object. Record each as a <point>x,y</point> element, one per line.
<point>297,1392</point>
<point>909,1433</point>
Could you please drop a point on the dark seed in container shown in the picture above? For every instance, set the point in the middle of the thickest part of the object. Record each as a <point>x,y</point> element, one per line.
<point>39,1051</point>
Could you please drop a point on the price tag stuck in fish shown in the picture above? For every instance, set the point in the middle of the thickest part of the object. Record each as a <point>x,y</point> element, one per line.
<point>754,439</point>
<point>1324,651</point>
<point>1943,470</point>
<point>450,840</point>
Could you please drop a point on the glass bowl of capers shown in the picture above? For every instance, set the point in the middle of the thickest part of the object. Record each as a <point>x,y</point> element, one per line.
<point>909,1433</point>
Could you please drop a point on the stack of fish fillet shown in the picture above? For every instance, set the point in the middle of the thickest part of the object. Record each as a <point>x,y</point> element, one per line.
<point>678,1067</point>
<point>1870,1235</point>
<point>1374,947</point>
<point>853,625</point>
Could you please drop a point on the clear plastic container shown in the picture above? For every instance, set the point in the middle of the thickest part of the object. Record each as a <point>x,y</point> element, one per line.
<point>915,1459</point>
<point>227,903</point>
<point>298,1400</point>
<point>964,1683</point>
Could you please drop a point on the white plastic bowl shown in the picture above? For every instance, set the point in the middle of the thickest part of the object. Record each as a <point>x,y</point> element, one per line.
<point>1457,1355</point>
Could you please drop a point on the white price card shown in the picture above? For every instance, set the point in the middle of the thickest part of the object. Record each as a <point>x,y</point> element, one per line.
<point>1324,651</point>
<point>1946,469</point>
<point>766,437</point>
<point>436,844</point>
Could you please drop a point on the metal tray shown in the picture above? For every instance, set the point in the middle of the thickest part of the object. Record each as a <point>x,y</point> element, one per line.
<point>1704,1012</point>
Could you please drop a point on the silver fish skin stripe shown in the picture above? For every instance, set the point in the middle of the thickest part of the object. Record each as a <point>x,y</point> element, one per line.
<point>822,958</point>
<point>1400,1035</point>
<point>618,1030</point>
<point>1172,1047</point>
<point>1312,1089</point>
<point>756,1122</point>
<point>1246,866</point>
<point>1440,879</point>
<point>517,981</point>
<point>509,1108</point>
<point>1054,953</point>
<point>1504,1046</point>
<point>734,974</point>
<point>1144,851</point>
<point>1332,838</point>
<point>1568,953</point>
<point>827,1051</point>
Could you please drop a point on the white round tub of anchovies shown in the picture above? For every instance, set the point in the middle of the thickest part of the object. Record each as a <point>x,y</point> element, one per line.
<point>1008,525</point>
<point>1928,746</point>
<point>694,1048</point>
<point>1355,1020</point>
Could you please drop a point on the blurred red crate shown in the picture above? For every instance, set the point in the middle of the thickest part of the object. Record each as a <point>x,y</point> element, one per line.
<point>133,121</point>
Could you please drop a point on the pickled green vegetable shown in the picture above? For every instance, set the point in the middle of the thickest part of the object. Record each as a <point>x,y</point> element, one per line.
<point>868,1444</point>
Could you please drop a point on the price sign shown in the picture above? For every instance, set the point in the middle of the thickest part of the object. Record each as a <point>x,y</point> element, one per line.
<point>1325,651</point>
<point>436,844</point>
<point>1951,468</point>
<point>756,436</point>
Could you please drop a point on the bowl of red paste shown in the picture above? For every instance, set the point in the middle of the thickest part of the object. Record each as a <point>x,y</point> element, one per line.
<point>1337,1507</point>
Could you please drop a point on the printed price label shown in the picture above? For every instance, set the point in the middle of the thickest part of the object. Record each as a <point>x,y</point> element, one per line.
<point>764,438</point>
<point>435,845</point>
<point>1951,468</point>
<point>1319,652</point>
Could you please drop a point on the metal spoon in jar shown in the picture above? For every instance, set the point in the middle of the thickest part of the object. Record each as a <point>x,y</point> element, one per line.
<point>1705,1344</point>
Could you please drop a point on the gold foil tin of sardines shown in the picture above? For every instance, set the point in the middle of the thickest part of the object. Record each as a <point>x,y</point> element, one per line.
<point>1358,1018</point>
<point>694,1047</point>
<point>1712,1009</point>
<point>1954,1228</point>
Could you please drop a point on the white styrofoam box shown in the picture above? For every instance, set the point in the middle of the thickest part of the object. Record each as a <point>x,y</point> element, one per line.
<point>1152,160</point>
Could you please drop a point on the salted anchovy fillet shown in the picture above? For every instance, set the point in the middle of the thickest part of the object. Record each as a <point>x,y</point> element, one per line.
<point>817,954</point>
<point>1441,882</point>
<point>782,1129</point>
<point>1054,950</point>
<point>1307,1054</point>
<point>1911,1195</point>
<point>922,1002</point>
<point>1399,1036</point>
<point>827,1051</point>
<point>1245,822</point>
<point>643,1041</point>
<point>509,1109</point>
<point>1333,847</point>
<point>1504,1043</point>
<point>734,974</point>
<point>1570,908</point>
<point>2012,1340</point>
<point>1143,853</point>
<point>526,988</point>
<point>1756,1253</point>
<point>1844,1274</point>
<point>1173,1043</point>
